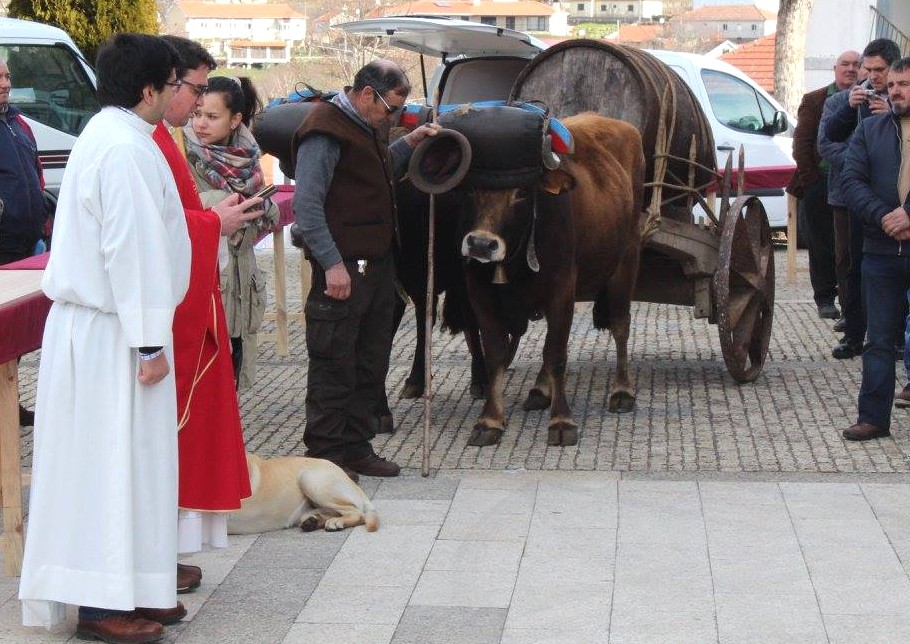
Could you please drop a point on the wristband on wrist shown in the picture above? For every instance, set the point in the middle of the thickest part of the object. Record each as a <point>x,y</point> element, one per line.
<point>145,357</point>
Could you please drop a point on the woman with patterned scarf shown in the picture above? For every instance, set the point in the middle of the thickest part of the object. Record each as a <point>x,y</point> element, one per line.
<point>224,158</point>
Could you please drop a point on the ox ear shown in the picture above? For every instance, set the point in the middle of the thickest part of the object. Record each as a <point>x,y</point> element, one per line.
<point>557,181</point>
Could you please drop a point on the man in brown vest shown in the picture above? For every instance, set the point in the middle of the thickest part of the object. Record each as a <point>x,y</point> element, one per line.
<point>345,209</point>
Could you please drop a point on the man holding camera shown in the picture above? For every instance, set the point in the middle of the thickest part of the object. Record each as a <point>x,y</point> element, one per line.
<point>840,117</point>
<point>876,182</point>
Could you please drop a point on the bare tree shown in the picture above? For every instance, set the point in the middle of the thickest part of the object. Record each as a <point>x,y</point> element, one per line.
<point>790,52</point>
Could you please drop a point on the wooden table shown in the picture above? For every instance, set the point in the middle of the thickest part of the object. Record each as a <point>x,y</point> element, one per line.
<point>23,310</point>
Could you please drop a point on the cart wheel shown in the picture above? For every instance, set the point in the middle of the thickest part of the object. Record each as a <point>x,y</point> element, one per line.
<point>744,288</point>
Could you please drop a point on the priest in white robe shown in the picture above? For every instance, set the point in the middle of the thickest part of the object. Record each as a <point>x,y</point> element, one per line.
<point>102,522</point>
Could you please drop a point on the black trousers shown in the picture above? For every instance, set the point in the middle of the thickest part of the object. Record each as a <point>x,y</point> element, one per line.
<point>849,252</point>
<point>349,344</point>
<point>819,220</point>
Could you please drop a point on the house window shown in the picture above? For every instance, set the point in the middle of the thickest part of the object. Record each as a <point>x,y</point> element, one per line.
<point>603,7</point>
<point>488,20</point>
<point>581,6</point>
<point>537,23</point>
<point>754,27</point>
<point>510,22</point>
<point>725,26</point>
<point>630,8</point>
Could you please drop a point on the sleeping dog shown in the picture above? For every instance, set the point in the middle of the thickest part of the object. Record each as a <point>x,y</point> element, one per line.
<point>298,491</point>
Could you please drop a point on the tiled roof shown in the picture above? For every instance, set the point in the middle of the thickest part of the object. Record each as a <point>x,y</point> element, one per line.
<point>244,11</point>
<point>756,60</point>
<point>464,8</point>
<point>637,33</point>
<point>729,12</point>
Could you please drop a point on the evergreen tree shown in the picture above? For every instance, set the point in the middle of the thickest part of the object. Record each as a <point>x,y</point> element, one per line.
<point>90,22</point>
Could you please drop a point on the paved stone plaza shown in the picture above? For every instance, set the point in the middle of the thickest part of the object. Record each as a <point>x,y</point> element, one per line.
<point>713,513</point>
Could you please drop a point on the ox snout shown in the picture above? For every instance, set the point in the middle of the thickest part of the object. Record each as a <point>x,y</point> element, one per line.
<point>484,247</point>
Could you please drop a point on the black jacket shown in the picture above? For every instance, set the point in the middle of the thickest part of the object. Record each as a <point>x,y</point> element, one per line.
<point>24,210</point>
<point>871,170</point>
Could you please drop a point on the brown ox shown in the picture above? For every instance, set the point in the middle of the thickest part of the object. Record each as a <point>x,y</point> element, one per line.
<point>587,241</point>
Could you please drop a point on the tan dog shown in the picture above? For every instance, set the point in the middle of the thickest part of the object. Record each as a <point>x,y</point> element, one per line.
<point>298,491</point>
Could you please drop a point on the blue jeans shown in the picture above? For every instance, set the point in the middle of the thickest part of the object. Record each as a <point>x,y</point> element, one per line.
<point>886,279</point>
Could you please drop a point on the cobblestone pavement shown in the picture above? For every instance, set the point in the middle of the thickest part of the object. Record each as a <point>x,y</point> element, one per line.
<point>775,531</point>
<point>690,417</point>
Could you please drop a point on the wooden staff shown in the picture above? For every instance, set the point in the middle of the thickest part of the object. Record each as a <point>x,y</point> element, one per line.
<point>428,340</point>
<point>428,325</point>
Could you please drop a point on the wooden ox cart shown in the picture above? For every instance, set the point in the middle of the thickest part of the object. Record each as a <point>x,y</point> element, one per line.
<point>719,262</point>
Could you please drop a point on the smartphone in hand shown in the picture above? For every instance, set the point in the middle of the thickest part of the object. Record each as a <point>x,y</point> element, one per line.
<point>266,192</point>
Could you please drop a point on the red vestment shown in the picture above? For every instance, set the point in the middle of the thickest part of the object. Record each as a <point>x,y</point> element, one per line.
<point>211,452</point>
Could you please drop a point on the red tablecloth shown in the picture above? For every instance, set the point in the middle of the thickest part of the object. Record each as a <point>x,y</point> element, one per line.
<point>777,176</point>
<point>284,199</point>
<point>22,320</point>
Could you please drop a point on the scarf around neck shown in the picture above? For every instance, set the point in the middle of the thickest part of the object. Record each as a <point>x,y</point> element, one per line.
<point>233,167</point>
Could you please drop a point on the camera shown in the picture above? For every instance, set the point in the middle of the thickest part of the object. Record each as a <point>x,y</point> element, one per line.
<point>870,94</point>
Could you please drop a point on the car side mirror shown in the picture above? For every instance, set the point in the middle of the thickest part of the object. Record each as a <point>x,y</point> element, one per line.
<point>778,124</point>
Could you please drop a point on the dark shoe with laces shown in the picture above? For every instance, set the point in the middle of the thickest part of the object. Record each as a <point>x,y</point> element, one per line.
<point>164,616</point>
<point>846,349</point>
<point>373,465</point>
<point>828,311</point>
<point>865,432</point>
<point>841,325</point>
<point>120,629</point>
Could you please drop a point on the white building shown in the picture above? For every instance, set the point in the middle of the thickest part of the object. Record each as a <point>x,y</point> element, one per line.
<point>612,10</point>
<point>838,25</point>
<point>520,15</point>
<point>240,34</point>
<point>737,22</point>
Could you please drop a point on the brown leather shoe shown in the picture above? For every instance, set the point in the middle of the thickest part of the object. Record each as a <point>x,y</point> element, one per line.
<point>373,465</point>
<point>865,432</point>
<point>164,616</point>
<point>902,400</point>
<point>120,629</point>
<point>189,578</point>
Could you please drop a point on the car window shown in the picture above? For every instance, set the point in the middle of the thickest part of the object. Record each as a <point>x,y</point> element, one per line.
<point>50,86</point>
<point>735,103</point>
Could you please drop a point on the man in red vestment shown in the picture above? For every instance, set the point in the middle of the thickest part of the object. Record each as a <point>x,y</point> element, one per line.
<point>213,475</point>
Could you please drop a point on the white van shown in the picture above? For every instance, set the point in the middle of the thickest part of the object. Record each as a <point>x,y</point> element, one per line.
<point>740,113</point>
<point>481,62</point>
<point>53,86</point>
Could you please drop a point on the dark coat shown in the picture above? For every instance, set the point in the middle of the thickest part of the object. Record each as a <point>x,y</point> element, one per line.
<point>805,140</point>
<point>24,208</point>
<point>871,170</point>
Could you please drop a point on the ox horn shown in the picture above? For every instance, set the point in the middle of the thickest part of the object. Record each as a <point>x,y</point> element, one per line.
<point>549,158</point>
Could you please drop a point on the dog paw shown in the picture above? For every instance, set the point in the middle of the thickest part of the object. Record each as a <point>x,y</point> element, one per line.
<point>309,524</point>
<point>334,525</point>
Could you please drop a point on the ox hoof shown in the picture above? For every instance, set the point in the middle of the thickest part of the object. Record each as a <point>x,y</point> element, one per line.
<point>478,392</point>
<point>621,402</point>
<point>410,390</point>
<point>310,524</point>
<point>482,436</point>
<point>536,400</point>
<point>562,434</point>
